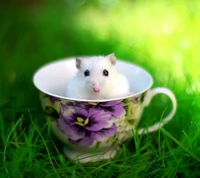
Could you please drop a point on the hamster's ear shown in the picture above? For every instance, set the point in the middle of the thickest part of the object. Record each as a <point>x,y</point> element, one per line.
<point>112,58</point>
<point>78,63</point>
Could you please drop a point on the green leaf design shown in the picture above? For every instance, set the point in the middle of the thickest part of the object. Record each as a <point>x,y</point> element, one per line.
<point>132,121</point>
<point>130,108</point>
<point>97,144</point>
<point>142,97</point>
<point>50,111</point>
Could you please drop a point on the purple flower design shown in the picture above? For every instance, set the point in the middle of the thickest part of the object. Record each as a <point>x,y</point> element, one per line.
<point>116,108</point>
<point>85,126</point>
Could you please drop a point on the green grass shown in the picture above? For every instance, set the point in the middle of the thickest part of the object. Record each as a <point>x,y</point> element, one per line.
<point>163,37</point>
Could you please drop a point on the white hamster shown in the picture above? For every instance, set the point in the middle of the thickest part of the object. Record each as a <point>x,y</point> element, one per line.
<point>97,78</point>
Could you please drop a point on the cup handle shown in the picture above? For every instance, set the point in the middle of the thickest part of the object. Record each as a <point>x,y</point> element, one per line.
<point>150,94</point>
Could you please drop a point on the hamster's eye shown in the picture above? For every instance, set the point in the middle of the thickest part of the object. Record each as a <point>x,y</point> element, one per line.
<point>87,73</point>
<point>105,72</point>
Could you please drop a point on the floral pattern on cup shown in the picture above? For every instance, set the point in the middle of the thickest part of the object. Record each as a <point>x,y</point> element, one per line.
<point>84,126</point>
<point>88,123</point>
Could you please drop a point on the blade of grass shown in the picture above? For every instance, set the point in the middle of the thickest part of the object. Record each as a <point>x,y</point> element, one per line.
<point>6,145</point>
<point>47,149</point>
<point>180,144</point>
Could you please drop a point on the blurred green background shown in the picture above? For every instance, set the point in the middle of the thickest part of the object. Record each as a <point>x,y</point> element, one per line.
<point>161,36</point>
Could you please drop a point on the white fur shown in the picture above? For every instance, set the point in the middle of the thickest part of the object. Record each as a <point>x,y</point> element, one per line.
<point>115,85</point>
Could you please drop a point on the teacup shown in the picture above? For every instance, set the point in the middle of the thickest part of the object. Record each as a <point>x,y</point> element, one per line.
<point>92,130</point>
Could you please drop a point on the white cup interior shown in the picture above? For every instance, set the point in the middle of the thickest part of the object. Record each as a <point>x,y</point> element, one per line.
<point>52,78</point>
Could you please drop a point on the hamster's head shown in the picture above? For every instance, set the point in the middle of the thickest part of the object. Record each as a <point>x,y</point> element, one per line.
<point>97,73</point>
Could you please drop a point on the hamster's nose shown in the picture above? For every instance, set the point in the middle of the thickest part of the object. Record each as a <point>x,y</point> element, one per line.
<point>95,88</point>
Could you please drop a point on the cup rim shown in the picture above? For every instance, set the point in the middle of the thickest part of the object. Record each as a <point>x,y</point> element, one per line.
<point>90,100</point>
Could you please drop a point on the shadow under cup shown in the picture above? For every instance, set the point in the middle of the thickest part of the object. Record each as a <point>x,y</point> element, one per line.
<point>92,130</point>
